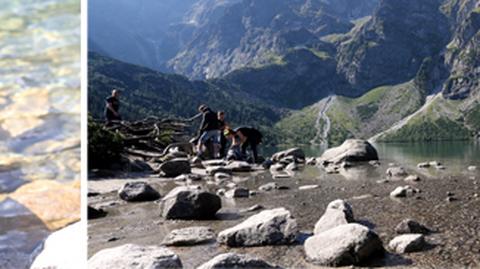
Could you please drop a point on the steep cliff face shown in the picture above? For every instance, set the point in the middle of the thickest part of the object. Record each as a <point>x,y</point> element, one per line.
<point>463,52</point>
<point>249,31</point>
<point>392,45</point>
<point>299,79</point>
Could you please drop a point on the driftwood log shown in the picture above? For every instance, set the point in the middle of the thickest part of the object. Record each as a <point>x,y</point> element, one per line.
<point>153,137</point>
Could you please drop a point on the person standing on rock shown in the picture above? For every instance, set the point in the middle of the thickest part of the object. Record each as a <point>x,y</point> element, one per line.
<point>112,107</point>
<point>209,131</point>
<point>222,125</point>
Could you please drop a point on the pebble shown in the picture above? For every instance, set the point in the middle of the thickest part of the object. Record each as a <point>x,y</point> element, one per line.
<point>308,187</point>
<point>451,199</point>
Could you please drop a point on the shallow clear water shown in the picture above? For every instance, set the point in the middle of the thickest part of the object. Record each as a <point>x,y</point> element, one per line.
<point>39,109</point>
<point>456,245</point>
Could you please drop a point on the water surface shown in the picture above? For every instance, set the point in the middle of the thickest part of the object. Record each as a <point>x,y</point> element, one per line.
<point>455,245</point>
<point>39,118</point>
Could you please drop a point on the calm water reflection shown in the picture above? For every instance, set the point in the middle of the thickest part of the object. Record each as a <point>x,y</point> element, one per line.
<point>454,152</point>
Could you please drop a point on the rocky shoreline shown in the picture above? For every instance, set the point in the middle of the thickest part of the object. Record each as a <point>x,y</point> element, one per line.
<point>343,208</point>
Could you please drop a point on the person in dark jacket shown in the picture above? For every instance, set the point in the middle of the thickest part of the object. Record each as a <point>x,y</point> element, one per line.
<point>222,126</point>
<point>248,137</point>
<point>112,107</point>
<point>209,130</point>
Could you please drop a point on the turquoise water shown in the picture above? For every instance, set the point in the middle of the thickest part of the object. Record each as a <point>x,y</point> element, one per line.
<point>39,113</point>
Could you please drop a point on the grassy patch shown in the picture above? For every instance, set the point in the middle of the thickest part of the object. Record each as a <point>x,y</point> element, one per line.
<point>298,127</point>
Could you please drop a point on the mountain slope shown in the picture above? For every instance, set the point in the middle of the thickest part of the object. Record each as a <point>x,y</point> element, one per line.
<point>298,79</point>
<point>391,46</point>
<point>249,30</point>
<point>137,32</point>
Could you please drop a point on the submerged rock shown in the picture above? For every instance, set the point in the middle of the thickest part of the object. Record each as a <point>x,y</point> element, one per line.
<point>352,150</point>
<point>190,202</point>
<point>175,167</point>
<point>409,226</point>
<point>233,260</point>
<point>56,204</point>
<point>134,256</point>
<point>338,212</point>
<point>269,227</point>
<point>407,243</point>
<point>348,244</point>
<point>138,192</point>
<point>189,236</point>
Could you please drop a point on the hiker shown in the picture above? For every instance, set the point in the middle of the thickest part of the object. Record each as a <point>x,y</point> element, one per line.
<point>222,125</point>
<point>112,106</point>
<point>247,137</point>
<point>209,130</point>
<point>235,150</point>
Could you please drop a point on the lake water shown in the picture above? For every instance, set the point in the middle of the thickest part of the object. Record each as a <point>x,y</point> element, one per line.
<point>459,153</point>
<point>454,245</point>
<point>39,115</point>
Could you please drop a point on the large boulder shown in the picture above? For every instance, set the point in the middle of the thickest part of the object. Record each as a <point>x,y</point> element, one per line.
<point>189,236</point>
<point>294,152</point>
<point>348,244</point>
<point>233,260</point>
<point>190,202</point>
<point>352,150</point>
<point>406,243</point>
<point>337,213</point>
<point>269,227</point>
<point>58,242</point>
<point>175,167</point>
<point>138,192</point>
<point>134,256</point>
